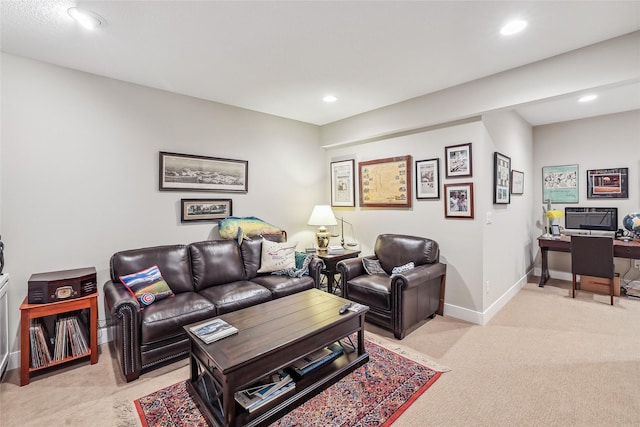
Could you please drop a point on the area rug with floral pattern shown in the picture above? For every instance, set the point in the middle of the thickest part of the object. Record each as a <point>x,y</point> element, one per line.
<point>375,394</point>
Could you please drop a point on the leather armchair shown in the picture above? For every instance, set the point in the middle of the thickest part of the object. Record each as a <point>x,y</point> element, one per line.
<point>398,302</point>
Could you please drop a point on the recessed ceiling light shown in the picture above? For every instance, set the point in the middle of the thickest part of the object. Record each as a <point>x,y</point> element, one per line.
<point>588,98</point>
<point>513,27</point>
<point>87,19</point>
<point>329,98</point>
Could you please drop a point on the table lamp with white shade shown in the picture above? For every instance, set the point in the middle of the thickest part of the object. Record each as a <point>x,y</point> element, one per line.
<point>322,216</point>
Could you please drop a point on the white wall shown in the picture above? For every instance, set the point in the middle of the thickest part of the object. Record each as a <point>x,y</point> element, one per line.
<point>79,169</point>
<point>474,252</point>
<point>611,141</point>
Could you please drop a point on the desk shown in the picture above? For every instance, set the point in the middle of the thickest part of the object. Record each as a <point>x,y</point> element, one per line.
<point>621,249</point>
<point>330,261</point>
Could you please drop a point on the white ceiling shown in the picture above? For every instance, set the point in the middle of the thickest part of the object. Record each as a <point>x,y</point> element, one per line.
<point>282,57</point>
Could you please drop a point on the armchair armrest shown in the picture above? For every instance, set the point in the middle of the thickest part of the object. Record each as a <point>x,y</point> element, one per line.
<point>315,269</point>
<point>350,268</point>
<point>126,319</point>
<point>419,275</point>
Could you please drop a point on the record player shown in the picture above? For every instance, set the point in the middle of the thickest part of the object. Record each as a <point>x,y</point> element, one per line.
<point>61,285</point>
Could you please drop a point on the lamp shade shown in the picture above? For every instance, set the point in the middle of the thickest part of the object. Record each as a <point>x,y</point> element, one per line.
<point>322,215</point>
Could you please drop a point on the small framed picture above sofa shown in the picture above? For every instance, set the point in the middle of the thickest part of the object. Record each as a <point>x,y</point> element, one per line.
<point>185,172</point>
<point>205,209</point>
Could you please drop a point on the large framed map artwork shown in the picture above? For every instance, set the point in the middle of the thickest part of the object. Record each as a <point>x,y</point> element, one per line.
<point>385,182</point>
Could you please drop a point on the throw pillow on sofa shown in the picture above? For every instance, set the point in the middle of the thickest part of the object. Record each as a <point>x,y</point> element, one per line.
<point>402,268</point>
<point>301,268</point>
<point>277,256</point>
<point>372,266</point>
<point>147,286</point>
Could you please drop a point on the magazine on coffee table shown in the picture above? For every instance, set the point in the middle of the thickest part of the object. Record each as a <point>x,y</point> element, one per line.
<point>265,391</point>
<point>213,330</point>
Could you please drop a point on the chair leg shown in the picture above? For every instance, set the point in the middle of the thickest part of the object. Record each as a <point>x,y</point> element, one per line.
<point>611,285</point>
<point>573,286</point>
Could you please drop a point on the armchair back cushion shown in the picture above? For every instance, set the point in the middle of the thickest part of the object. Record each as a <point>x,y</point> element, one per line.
<point>394,250</point>
<point>173,262</point>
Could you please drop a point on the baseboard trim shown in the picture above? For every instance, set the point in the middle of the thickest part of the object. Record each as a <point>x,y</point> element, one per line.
<point>481,318</point>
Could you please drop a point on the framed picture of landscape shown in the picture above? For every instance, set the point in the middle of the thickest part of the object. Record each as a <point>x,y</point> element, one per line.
<point>188,172</point>
<point>205,209</point>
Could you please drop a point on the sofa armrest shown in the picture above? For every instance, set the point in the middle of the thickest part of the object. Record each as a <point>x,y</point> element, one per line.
<point>125,319</point>
<point>316,265</point>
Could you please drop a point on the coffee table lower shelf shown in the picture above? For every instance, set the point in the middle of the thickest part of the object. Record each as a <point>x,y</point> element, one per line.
<point>306,387</point>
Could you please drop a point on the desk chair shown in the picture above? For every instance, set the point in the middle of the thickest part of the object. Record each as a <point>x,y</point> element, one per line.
<point>592,256</point>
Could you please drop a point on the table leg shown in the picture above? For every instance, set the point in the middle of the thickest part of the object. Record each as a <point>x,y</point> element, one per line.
<point>544,274</point>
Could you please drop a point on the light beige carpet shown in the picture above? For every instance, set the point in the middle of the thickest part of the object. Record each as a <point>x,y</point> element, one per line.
<point>544,360</point>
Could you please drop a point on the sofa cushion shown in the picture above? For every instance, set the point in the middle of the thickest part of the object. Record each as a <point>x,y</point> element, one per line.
<point>373,290</point>
<point>236,295</point>
<point>216,262</point>
<point>172,260</point>
<point>165,318</point>
<point>148,286</point>
<point>281,286</point>
<point>277,256</point>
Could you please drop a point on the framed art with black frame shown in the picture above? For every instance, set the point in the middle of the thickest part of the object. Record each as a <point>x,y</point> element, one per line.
<point>428,179</point>
<point>501,179</point>
<point>457,160</point>
<point>201,173</point>
<point>343,191</point>
<point>608,183</point>
<point>205,209</point>
<point>458,200</point>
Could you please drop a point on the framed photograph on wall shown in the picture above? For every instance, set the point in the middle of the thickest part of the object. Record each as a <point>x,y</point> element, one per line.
<point>385,183</point>
<point>428,179</point>
<point>608,183</point>
<point>458,200</point>
<point>204,209</point>
<point>200,173</point>
<point>457,159</point>
<point>560,184</point>
<point>517,182</point>
<point>343,191</point>
<point>501,179</point>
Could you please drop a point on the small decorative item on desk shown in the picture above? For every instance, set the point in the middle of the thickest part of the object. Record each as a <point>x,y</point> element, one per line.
<point>632,223</point>
<point>213,330</point>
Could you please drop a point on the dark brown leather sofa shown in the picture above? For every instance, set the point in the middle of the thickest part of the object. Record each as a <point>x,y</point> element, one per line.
<point>208,279</point>
<point>398,302</point>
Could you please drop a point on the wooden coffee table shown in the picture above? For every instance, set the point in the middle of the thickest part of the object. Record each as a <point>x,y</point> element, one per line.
<point>271,337</point>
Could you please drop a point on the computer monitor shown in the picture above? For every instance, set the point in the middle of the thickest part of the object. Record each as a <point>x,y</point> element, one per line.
<point>602,219</point>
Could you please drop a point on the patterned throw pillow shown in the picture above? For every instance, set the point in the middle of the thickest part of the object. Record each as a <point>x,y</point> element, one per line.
<point>301,268</point>
<point>402,268</point>
<point>277,256</point>
<point>372,266</point>
<point>147,286</point>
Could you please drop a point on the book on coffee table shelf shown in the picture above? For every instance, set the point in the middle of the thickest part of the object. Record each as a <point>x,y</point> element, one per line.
<point>265,391</point>
<point>213,330</point>
<point>317,359</point>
